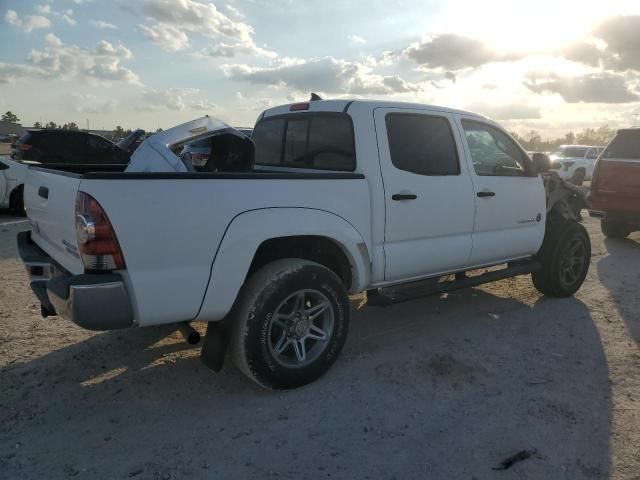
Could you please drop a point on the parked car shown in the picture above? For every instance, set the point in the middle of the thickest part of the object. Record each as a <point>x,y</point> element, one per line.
<point>341,197</point>
<point>8,138</point>
<point>197,153</point>
<point>575,162</point>
<point>12,175</point>
<point>81,151</point>
<point>60,149</point>
<point>615,189</point>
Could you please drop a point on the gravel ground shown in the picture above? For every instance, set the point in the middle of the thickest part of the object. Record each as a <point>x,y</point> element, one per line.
<point>442,387</point>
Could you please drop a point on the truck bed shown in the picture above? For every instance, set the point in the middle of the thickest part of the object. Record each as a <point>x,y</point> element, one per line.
<point>171,225</point>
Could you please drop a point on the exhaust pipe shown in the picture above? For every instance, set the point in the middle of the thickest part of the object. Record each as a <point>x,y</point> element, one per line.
<point>189,333</point>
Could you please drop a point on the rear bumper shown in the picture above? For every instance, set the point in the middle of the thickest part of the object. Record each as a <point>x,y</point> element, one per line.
<point>615,208</point>
<point>92,301</point>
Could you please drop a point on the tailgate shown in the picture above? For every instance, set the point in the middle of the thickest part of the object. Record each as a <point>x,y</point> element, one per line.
<point>618,177</point>
<point>50,202</point>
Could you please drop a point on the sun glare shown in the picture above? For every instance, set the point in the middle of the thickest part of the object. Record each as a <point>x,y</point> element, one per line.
<point>541,26</point>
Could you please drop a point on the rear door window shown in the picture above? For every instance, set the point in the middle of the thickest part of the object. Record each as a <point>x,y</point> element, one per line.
<point>314,141</point>
<point>422,144</point>
<point>98,149</point>
<point>624,145</point>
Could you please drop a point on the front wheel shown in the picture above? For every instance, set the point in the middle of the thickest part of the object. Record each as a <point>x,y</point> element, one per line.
<point>565,257</point>
<point>290,323</point>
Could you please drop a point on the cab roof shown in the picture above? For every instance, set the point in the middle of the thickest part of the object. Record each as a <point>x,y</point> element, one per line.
<point>346,104</point>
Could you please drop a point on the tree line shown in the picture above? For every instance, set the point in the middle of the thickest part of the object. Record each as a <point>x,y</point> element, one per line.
<point>533,141</point>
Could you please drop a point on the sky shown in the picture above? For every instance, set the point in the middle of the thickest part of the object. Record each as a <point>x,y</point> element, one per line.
<point>549,65</point>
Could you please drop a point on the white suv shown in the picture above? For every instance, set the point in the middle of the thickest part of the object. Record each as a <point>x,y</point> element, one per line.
<point>575,162</point>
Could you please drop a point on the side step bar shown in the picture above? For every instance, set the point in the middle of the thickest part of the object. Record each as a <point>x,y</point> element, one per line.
<point>409,291</point>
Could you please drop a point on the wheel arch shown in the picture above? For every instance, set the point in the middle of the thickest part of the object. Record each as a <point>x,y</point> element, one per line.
<point>256,237</point>
<point>13,196</point>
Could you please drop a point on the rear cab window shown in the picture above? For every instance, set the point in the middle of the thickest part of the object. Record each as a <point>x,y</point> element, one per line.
<point>314,140</point>
<point>625,145</point>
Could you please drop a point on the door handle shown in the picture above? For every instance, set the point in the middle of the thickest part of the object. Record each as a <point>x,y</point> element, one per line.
<point>486,194</point>
<point>403,196</point>
<point>43,192</point>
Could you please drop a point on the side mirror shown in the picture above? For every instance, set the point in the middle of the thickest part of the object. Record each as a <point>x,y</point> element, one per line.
<point>541,162</point>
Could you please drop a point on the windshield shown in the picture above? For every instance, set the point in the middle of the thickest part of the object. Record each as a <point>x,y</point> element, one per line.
<point>571,152</point>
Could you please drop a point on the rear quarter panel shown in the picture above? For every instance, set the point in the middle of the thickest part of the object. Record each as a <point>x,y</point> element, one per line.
<point>170,230</point>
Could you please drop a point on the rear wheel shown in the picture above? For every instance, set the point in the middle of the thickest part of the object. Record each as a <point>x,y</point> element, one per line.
<point>615,228</point>
<point>565,257</point>
<point>290,323</point>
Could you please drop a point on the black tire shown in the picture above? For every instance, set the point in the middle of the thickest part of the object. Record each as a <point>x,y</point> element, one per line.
<point>259,328</point>
<point>615,228</point>
<point>578,177</point>
<point>562,272</point>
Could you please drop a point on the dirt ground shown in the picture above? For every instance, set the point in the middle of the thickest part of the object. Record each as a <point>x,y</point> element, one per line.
<point>442,387</point>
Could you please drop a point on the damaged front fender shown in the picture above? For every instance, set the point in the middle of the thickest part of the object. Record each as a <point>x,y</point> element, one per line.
<point>564,200</point>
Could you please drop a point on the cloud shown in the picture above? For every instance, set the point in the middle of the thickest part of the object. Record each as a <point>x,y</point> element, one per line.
<point>454,52</point>
<point>167,99</point>
<point>102,24</point>
<point>511,111</point>
<point>622,36</point>
<point>225,50</point>
<point>614,45</point>
<point>203,105</point>
<point>9,72</point>
<point>67,15</point>
<point>234,11</point>
<point>91,103</point>
<point>325,74</point>
<point>60,61</point>
<point>356,40</point>
<point>174,20</point>
<point>28,23</point>
<point>70,20</point>
<point>592,88</point>
<point>168,37</point>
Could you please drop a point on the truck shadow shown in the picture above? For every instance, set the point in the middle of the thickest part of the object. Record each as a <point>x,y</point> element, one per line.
<point>9,228</point>
<point>441,386</point>
<point>618,272</point>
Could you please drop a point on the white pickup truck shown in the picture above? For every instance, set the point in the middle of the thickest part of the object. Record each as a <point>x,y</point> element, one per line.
<point>338,197</point>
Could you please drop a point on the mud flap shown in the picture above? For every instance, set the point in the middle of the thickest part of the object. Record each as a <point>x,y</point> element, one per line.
<point>214,348</point>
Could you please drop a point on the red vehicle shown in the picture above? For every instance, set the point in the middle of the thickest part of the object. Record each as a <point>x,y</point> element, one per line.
<point>615,188</point>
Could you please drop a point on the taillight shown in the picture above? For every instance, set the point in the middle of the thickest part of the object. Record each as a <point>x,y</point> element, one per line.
<point>296,107</point>
<point>97,240</point>
<point>24,147</point>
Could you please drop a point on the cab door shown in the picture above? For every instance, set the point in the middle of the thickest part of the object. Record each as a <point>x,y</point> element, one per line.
<point>429,198</point>
<point>510,200</point>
